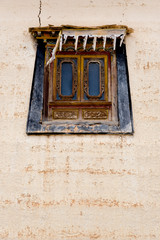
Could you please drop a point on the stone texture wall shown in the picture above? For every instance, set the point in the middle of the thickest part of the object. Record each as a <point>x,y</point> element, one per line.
<point>79,187</point>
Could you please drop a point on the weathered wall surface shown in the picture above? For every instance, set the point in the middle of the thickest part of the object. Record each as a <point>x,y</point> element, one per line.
<point>79,187</point>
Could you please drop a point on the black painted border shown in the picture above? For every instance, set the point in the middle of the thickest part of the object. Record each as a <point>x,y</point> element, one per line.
<point>35,126</point>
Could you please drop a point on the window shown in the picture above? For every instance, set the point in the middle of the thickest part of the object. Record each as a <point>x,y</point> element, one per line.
<point>80,82</point>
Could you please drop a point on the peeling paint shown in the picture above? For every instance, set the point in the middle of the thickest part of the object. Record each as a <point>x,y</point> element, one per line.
<point>35,202</point>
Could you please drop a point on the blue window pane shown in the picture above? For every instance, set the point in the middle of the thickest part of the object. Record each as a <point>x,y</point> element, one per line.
<point>94,88</point>
<point>66,79</point>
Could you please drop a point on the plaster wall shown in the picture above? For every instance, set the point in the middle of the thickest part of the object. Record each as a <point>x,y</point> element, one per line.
<point>80,187</point>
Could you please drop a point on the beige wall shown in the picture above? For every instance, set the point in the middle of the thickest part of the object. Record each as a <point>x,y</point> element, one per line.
<point>79,187</point>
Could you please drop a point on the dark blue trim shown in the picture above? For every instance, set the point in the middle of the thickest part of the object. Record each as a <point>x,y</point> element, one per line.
<point>34,125</point>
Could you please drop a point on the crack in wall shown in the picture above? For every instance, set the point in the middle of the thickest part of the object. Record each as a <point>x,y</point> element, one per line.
<point>40,11</point>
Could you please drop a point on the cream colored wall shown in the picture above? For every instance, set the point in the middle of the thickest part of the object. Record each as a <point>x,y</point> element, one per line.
<point>79,187</point>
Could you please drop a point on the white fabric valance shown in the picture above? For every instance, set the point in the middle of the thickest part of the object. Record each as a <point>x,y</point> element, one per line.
<point>95,34</point>
<point>87,33</point>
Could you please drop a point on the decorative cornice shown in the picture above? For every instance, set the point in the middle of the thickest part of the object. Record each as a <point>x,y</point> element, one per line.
<point>51,31</point>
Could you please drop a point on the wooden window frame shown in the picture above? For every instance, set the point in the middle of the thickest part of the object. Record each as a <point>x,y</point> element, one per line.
<point>81,103</point>
<point>121,121</point>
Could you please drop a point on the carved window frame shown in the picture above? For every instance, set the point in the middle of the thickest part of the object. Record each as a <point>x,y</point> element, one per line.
<point>84,105</point>
<point>121,121</point>
<point>85,72</point>
<point>58,77</point>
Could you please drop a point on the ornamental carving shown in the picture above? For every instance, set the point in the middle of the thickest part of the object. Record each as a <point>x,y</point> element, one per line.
<point>65,114</point>
<point>49,53</point>
<point>95,114</point>
<point>59,78</point>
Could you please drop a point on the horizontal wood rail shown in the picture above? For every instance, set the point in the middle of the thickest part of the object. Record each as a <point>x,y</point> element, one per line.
<point>72,104</point>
